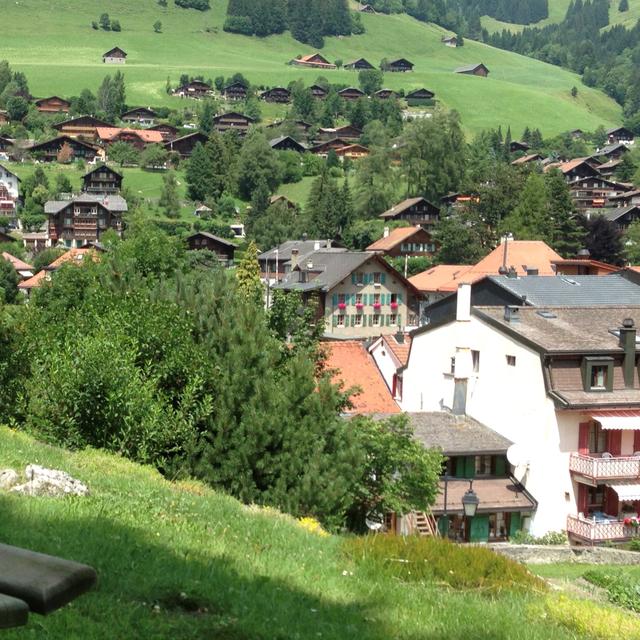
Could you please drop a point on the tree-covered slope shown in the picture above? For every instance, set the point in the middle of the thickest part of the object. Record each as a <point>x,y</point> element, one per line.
<point>56,47</point>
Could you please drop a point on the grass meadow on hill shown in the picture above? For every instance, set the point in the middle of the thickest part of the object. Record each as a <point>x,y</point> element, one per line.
<point>54,44</point>
<point>179,560</point>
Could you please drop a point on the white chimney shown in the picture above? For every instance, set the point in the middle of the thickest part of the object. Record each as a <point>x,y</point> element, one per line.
<point>463,309</point>
<point>316,245</point>
<point>463,363</point>
<point>386,232</point>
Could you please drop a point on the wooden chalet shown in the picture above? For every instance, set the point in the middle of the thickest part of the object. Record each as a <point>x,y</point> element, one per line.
<point>474,70</point>
<point>185,145</point>
<point>607,169</point>
<point>419,96</point>
<point>352,152</point>
<point>385,94</point>
<point>138,138</point>
<point>358,65</point>
<point>235,91</point>
<point>346,132</point>
<point>102,179</point>
<point>613,151</point>
<point>50,149</point>
<point>351,93</point>
<point>232,121</point>
<point>114,56</point>
<point>141,115</point>
<point>516,146</point>
<point>53,104</point>
<point>280,199</point>
<point>622,217</point>
<point>318,92</point>
<point>455,201</point>
<point>366,8</point>
<point>405,241</point>
<point>6,144</point>
<point>575,169</point>
<point>194,89</point>
<point>594,192</point>
<point>416,211</point>
<point>300,126</point>
<point>626,198</point>
<point>84,218</point>
<point>280,95</point>
<point>576,134</point>
<point>223,249</point>
<point>534,157</point>
<point>401,65</point>
<point>323,148</point>
<point>449,41</point>
<point>286,143</point>
<point>313,61</point>
<point>81,127</point>
<point>167,131</point>
<point>620,134</point>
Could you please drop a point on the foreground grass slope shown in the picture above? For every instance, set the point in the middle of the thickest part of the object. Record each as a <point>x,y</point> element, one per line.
<point>177,560</point>
<point>65,56</point>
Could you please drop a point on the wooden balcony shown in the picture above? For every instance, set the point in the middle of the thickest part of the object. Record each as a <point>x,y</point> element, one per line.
<point>590,531</point>
<point>597,469</point>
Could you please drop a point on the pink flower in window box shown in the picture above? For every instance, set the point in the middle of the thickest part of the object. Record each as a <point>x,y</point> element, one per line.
<point>376,306</point>
<point>342,305</point>
<point>394,305</point>
<point>359,306</point>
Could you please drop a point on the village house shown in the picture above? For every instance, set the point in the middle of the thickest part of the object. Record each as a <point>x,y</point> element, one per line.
<point>185,145</point>
<point>81,127</point>
<point>515,146</point>
<point>346,132</point>
<point>235,91</point>
<point>313,61</point>
<point>322,149</point>
<point>523,160</point>
<point>194,89</point>
<point>454,201</point>
<point>54,104</point>
<point>167,131</point>
<point>352,152</point>
<point>279,95</point>
<point>11,182</point>
<point>419,97</point>
<point>358,293</point>
<point>366,8</point>
<point>286,143</point>
<point>138,138</point>
<point>621,216</point>
<point>223,249</point>
<point>416,211</point>
<point>351,93</point>
<point>358,65</point>
<point>4,117</point>
<point>280,199</point>
<point>405,241</point>
<point>114,56</point>
<point>50,150</point>
<point>400,65</point>
<point>449,41</point>
<point>594,192</point>
<point>23,269</point>
<point>6,145</point>
<point>318,92</point>
<point>626,198</point>
<point>276,262</point>
<point>562,384</point>
<point>143,116</point>
<point>575,169</point>
<point>84,218</point>
<point>607,169</point>
<point>613,151</point>
<point>582,265</point>
<point>620,135</point>
<point>385,94</point>
<point>102,179</point>
<point>234,121</point>
<point>474,70</point>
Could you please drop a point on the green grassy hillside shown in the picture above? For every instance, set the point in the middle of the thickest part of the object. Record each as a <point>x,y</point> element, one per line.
<point>53,43</point>
<point>178,560</point>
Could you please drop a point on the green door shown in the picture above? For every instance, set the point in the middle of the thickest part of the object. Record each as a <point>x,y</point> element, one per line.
<point>479,529</point>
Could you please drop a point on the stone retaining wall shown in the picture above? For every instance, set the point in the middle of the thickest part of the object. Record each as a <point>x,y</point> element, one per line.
<point>547,554</point>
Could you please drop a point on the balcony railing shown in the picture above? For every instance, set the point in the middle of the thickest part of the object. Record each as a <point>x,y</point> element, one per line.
<point>605,468</point>
<point>592,531</point>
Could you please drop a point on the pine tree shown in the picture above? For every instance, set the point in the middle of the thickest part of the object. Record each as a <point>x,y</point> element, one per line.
<point>260,201</point>
<point>206,173</point>
<point>248,275</point>
<point>568,235</point>
<point>531,219</point>
<point>604,240</point>
<point>169,201</point>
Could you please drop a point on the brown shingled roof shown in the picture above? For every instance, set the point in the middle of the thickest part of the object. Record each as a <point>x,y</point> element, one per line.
<point>395,237</point>
<point>354,366</point>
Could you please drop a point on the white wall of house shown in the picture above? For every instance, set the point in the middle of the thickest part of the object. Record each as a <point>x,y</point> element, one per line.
<point>510,399</point>
<point>386,362</point>
<point>10,181</point>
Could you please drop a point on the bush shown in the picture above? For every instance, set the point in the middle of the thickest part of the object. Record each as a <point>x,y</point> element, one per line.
<point>115,25</point>
<point>551,538</point>
<point>634,545</point>
<point>238,24</point>
<point>418,559</point>
<point>621,589</point>
<point>200,5</point>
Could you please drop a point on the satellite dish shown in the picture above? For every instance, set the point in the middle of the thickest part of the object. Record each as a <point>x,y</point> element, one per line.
<point>517,455</point>
<point>520,471</point>
<point>373,525</point>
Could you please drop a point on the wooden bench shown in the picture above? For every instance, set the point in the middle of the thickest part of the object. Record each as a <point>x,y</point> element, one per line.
<point>37,582</point>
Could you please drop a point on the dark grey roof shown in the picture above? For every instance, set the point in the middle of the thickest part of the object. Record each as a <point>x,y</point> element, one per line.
<point>276,141</point>
<point>206,234</point>
<point>456,435</point>
<point>614,213</point>
<point>284,249</point>
<point>606,150</point>
<point>572,291</point>
<point>328,268</point>
<point>113,203</point>
<point>469,67</point>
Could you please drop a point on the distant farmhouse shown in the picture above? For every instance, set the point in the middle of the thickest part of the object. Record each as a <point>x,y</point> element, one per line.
<point>366,8</point>
<point>474,70</point>
<point>419,96</point>
<point>114,56</point>
<point>313,61</point>
<point>141,115</point>
<point>185,145</point>
<point>279,95</point>
<point>53,104</point>
<point>450,41</point>
<point>351,93</point>
<point>401,65</point>
<point>235,91</point>
<point>358,65</point>
<point>193,89</point>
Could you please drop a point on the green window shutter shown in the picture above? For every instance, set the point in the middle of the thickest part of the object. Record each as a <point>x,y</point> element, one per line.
<point>371,320</point>
<point>443,525</point>
<point>335,299</point>
<point>353,321</point>
<point>470,467</point>
<point>479,529</point>
<point>353,278</point>
<point>334,321</point>
<point>353,298</point>
<point>388,298</point>
<point>500,466</point>
<point>460,467</point>
<point>388,320</point>
<point>399,298</point>
<point>383,277</point>
<point>516,523</point>
<point>346,321</point>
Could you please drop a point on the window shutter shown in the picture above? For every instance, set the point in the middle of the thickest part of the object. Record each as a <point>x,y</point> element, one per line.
<point>583,439</point>
<point>514,523</point>
<point>399,298</point>
<point>383,277</point>
<point>388,320</point>
<point>611,499</point>
<point>614,443</point>
<point>470,467</point>
<point>583,498</point>
<point>334,321</point>
<point>353,321</point>
<point>335,299</point>
<point>636,441</point>
<point>500,469</point>
<point>353,278</point>
<point>353,298</point>
<point>371,320</point>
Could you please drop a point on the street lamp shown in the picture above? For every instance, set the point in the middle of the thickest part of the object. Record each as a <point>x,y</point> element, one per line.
<point>470,503</point>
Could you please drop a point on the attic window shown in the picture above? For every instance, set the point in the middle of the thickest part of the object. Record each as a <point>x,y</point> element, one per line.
<point>546,314</point>
<point>597,373</point>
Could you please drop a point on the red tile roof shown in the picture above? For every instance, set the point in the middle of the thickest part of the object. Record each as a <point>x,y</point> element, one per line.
<point>75,255</point>
<point>400,349</point>
<point>17,264</point>
<point>146,135</point>
<point>354,366</point>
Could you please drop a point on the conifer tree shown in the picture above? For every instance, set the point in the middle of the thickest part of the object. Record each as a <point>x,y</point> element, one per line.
<point>169,201</point>
<point>531,219</point>
<point>248,275</point>
<point>568,235</point>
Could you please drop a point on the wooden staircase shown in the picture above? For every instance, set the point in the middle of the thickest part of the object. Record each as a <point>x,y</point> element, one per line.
<point>425,524</point>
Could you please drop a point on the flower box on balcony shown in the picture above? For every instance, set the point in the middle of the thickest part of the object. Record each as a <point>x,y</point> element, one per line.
<point>359,306</point>
<point>342,306</point>
<point>394,305</point>
<point>376,306</point>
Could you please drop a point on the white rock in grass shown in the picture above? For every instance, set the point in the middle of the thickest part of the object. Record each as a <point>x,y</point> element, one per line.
<point>8,478</point>
<point>50,482</point>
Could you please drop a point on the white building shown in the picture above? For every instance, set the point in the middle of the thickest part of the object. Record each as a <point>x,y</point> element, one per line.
<point>555,381</point>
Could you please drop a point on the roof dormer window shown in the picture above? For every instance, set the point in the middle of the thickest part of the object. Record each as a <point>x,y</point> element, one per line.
<point>597,373</point>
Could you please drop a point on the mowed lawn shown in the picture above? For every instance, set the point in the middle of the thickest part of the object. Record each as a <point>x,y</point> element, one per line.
<point>54,44</point>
